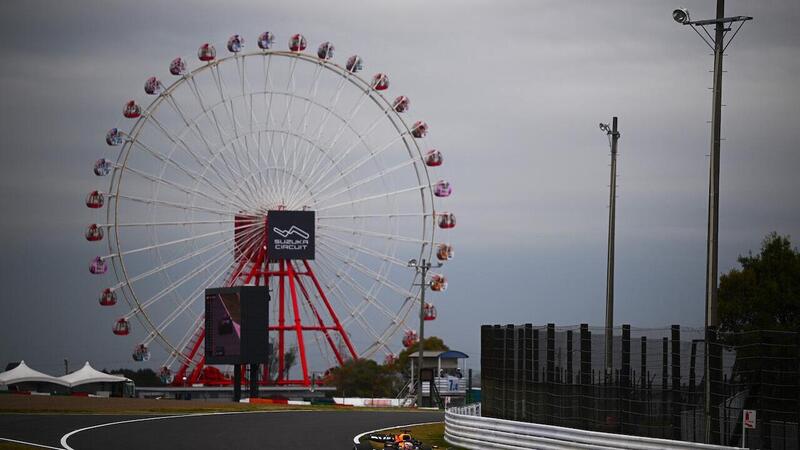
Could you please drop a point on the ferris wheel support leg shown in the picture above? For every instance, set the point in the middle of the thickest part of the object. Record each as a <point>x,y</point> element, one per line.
<point>281,323</point>
<point>298,325</point>
<point>319,318</point>
<point>201,334</point>
<point>198,370</point>
<point>335,318</point>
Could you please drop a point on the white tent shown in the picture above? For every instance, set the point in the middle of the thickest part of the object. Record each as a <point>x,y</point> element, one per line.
<point>87,374</point>
<point>22,373</point>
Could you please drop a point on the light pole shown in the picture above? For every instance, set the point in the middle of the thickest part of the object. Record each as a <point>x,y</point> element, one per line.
<point>717,42</point>
<point>613,137</point>
<point>421,268</point>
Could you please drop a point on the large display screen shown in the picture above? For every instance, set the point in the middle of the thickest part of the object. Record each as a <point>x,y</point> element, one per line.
<point>290,234</point>
<point>236,325</point>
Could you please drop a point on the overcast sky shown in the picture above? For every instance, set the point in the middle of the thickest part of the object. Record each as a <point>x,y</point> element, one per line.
<point>513,92</point>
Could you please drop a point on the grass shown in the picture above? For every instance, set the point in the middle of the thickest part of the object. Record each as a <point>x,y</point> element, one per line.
<point>432,434</point>
<point>4,445</point>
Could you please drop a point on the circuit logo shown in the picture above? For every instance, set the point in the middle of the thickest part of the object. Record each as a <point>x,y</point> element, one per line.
<point>291,231</point>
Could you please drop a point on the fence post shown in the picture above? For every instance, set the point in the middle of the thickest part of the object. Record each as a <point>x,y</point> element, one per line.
<point>519,373</point>
<point>676,382</point>
<point>715,383</point>
<point>625,378</point>
<point>551,370</point>
<point>643,373</point>
<point>508,370</point>
<point>499,352</point>
<point>586,373</point>
<point>528,372</point>
<point>486,368</point>
<point>570,381</point>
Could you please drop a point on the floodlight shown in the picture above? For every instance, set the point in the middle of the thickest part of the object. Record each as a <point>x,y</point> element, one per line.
<point>412,263</point>
<point>605,127</point>
<point>681,15</point>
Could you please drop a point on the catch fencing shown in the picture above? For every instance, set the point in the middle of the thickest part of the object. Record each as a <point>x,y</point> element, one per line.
<point>552,375</point>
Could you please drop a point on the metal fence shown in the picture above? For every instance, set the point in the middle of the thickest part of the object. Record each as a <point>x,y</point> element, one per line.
<point>555,376</point>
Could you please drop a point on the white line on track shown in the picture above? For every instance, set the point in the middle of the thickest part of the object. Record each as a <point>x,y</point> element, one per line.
<point>357,439</point>
<point>29,443</point>
<point>146,419</point>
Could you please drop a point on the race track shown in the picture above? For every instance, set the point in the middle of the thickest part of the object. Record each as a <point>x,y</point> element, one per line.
<point>279,430</point>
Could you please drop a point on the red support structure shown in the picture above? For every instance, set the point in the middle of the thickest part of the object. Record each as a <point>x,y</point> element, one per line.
<point>253,266</point>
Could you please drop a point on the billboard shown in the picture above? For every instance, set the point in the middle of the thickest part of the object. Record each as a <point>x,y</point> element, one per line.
<point>291,234</point>
<point>236,325</point>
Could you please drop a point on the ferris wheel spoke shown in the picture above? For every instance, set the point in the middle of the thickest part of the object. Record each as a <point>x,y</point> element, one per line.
<point>177,186</point>
<point>210,112</point>
<point>180,143</point>
<point>302,128</point>
<point>231,110</point>
<point>184,305</point>
<point>366,216</point>
<point>184,340</point>
<point>386,195</point>
<point>161,224</point>
<point>344,126</point>
<point>150,201</point>
<point>371,156</point>
<point>168,243</point>
<point>364,250</point>
<point>286,121</point>
<point>193,127</point>
<point>356,314</point>
<point>378,277</point>
<point>175,285</point>
<point>187,302</point>
<point>172,263</point>
<point>356,317</point>
<point>387,236</point>
<point>358,183</point>
<point>327,114</point>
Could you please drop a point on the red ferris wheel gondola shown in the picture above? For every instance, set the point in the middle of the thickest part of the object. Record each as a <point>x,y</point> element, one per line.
<point>131,110</point>
<point>430,312</point>
<point>122,327</point>
<point>380,82</point>
<point>297,43</point>
<point>93,233</point>
<point>108,297</point>
<point>206,52</point>
<point>409,338</point>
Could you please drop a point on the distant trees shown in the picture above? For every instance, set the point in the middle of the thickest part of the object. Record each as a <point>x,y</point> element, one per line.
<point>765,293</point>
<point>364,378</point>
<point>141,377</point>
<point>403,364</point>
<point>367,378</point>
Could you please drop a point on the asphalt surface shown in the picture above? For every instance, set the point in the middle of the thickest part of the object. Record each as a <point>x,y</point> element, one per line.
<point>280,430</point>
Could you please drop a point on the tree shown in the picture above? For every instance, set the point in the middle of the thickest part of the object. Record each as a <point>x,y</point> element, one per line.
<point>758,305</point>
<point>289,360</point>
<point>363,378</point>
<point>403,363</point>
<point>765,293</point>
<point>140,377</point>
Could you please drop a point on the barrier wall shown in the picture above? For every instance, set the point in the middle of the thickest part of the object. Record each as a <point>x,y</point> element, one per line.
<point>465,428</point>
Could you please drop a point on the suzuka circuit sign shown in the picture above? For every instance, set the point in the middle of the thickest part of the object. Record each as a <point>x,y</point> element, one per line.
<point>290,234</point>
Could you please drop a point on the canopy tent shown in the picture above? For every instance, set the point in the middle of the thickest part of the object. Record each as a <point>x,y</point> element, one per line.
<point>87,375</point>
<point>24,374</point>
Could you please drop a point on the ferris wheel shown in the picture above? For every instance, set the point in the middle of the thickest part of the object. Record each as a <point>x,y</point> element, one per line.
<point>200,166</point>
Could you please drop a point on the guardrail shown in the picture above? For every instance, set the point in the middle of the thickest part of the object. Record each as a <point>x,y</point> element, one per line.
<point>465,428</point>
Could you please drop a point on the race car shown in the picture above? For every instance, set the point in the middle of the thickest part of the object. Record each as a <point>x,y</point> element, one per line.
<point>399,441</point>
